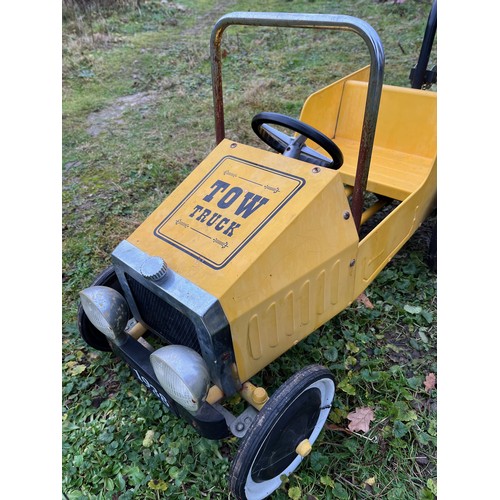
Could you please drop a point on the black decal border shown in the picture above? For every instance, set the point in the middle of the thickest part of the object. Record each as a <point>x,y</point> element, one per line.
<point>197,255</point>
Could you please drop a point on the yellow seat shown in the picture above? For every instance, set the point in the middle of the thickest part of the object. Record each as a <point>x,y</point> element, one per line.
<point>405,146</point>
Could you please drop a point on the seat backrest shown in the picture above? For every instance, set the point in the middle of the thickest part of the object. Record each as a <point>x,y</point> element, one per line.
<point>407,119</point>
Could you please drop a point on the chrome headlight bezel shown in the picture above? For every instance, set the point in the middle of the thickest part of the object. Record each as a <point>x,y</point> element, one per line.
<point>183,375</point>
<point>107,310</point>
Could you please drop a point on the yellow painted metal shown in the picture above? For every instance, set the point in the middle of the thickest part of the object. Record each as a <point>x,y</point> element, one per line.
<point>321,109</point>
<point>381,244</point>
<point>267,236</point>
<point>405,141</point>
<point>403,165</point>
<point>272,237</point>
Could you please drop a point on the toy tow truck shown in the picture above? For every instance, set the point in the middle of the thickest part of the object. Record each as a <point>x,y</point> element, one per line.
<point>255,250</point>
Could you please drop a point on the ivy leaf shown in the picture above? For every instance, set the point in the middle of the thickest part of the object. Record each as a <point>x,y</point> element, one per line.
<point>360,419</point>
<point>340,492</point>
<point>432,485</point>
<point>400,429</point>
<point>412,309</point>
<point>318,461</point>
<point>423,336</point>
<point>109,484</point>
<point>414,382</point>
<point>351,346</point>
<point>135,475</point>
<point>369,376</point>
<point>345,386</point>
<point>120,482</point>
<point>327,481</point>
<point>428,316</point>
<point>423,438</point>
<point>331,354</point>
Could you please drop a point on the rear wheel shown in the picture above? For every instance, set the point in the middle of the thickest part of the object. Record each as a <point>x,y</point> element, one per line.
<point>89,333</point>
<point>296,412</point>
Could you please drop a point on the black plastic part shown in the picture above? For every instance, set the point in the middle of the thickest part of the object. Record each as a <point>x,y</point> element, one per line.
<point>297,126</point>
<point>89,333</point>
<point>419,75</point>
<point>432,250</point>
<point>207,421</point>
<point>285,420</point>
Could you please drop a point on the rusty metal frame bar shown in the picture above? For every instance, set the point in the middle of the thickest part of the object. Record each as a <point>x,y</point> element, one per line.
<point>316,21</point>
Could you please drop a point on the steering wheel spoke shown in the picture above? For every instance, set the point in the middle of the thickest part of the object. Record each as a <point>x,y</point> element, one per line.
<point>295,147</point>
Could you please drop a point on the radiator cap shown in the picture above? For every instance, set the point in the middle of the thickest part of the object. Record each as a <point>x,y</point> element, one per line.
<point>154,268</point>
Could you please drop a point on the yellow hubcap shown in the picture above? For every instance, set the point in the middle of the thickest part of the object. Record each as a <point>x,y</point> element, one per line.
<point>304,448</point>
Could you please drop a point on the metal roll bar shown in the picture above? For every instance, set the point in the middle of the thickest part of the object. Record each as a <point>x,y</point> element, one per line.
<point>317,21</point>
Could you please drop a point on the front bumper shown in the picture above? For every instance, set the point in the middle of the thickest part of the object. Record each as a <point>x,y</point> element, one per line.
<point>207,421</point>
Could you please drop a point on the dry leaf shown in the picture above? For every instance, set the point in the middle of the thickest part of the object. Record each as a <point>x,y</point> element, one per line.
<point>430,382</point>
<point>360,419</point>
<point>363,299</point>
<point>148,439</point>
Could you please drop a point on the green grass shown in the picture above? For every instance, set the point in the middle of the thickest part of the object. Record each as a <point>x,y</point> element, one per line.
<point>113,180</point>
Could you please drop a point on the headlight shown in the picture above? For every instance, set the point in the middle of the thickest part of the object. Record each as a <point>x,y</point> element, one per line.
<point>107,310</point>
<point>183,374</point>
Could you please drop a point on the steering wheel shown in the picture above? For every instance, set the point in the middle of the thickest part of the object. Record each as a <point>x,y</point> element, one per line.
<point>294,147</point>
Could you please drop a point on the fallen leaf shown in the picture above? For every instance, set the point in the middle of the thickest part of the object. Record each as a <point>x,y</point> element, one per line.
<point>77,369</point>
<point>148,439</point>
<point>370,481</point>
<point>360,419</point>
<point>363,299</point>
<point>430,382</point>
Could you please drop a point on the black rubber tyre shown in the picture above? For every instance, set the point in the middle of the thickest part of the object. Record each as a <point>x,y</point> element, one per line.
<point>89,333</point>
<point>296,411</point>
<point>280,142</point>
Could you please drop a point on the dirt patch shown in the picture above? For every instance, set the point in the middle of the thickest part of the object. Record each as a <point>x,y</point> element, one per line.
<point>112,115</point>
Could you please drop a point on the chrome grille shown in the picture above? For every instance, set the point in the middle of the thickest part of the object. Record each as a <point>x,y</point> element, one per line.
<point>162,318</point>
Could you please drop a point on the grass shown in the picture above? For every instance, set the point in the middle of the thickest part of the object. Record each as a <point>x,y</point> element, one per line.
<point>112,180</point>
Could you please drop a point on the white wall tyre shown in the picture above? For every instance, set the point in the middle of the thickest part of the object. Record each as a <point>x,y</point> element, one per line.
<point>296,411</point>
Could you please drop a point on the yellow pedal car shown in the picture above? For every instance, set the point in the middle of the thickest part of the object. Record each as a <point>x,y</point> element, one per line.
<point>255,250</point>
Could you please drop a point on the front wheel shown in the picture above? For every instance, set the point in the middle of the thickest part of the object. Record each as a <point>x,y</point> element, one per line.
<point>295,414</point>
